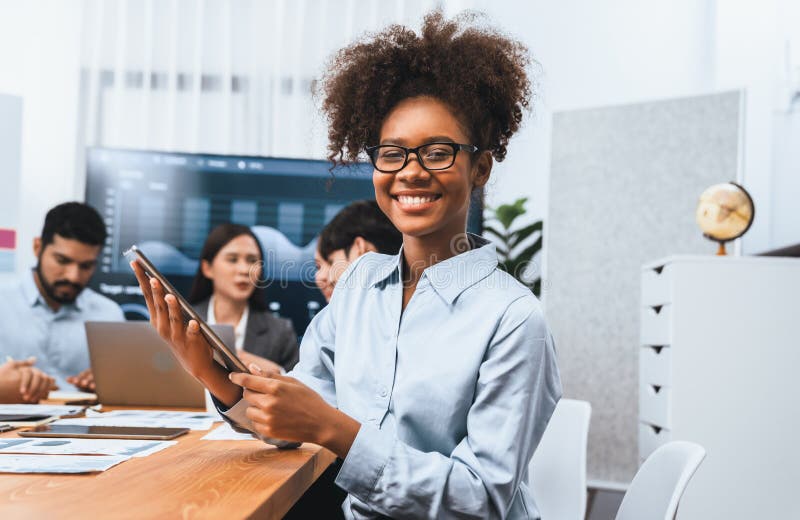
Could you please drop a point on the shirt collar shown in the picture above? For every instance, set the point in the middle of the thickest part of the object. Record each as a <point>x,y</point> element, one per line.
<point>240,327</point>
<point>453,276</point>
<point>31,291</point>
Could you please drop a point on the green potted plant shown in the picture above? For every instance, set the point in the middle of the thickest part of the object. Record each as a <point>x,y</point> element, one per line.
<point>514,246</point>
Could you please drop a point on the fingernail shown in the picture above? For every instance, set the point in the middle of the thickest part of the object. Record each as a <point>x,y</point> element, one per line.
<point>230,376</point>
<point>254,368</point>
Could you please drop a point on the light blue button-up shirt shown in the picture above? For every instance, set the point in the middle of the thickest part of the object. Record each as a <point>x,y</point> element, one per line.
<point>453,393</point>
<point>29,327</point>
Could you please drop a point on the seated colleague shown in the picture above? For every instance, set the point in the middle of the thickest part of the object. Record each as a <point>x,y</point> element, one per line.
<point>42,314</point>
<point>358,228</point>
<point>20,382</point>
<point>432,373</point>
<point>225,292</point>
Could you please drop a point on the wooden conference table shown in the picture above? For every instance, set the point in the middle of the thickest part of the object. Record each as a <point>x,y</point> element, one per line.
<point>192,479</point>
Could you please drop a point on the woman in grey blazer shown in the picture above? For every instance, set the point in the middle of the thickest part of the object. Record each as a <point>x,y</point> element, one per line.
<point>224,292</point>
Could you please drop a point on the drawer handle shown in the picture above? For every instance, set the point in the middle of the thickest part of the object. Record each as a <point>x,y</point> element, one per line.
<point>656,429</point>
<point>658,269</point>
<point>657,308</point>
<point>656,388</point>
<point>657,348</point>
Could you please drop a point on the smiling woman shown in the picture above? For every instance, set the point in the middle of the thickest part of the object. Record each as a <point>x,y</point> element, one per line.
<point>431,373</point>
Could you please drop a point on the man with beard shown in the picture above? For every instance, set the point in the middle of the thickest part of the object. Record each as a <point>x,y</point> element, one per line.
<point>42,315</point>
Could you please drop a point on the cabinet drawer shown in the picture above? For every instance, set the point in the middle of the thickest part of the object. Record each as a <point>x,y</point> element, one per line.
<point>656,327</point>
<point>656,286</point>
<point>654,405</point>
<point>650,438</point>
<point>655,365</point>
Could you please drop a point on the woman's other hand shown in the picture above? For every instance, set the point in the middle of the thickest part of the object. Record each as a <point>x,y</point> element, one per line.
<point>282,407</point>
<point>266,366</point>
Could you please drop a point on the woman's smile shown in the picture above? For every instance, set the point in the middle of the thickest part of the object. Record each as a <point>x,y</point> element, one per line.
<point>416,201</point>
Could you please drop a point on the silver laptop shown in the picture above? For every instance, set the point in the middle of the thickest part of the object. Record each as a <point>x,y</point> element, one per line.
<point>132,365</point>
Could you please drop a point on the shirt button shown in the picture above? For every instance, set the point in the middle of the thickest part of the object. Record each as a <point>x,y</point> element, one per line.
<point>384,392</point>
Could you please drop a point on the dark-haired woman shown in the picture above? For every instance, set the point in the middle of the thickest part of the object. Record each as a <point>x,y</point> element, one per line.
<point>225,291</point>
<point>431,373</point>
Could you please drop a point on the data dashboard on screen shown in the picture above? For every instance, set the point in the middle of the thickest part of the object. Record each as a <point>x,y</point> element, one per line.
<point>166,203</point>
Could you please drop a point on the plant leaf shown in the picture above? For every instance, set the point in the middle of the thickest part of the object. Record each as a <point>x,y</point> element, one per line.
<point>528,253</point>
<point>507,213</point>
<point>495,232</point>
<point>521,234</point>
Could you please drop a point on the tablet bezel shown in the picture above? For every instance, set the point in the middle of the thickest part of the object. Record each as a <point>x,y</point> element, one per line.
<point>104,432</point>
<point>229,359</point>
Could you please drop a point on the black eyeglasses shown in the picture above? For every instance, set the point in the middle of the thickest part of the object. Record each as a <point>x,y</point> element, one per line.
<point>391,158</point>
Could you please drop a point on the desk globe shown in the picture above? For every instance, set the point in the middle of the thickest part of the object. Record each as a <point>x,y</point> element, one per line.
<point>724,213</point>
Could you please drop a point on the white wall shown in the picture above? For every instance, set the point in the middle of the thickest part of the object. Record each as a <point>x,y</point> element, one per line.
<point>626,51</point>
<point>39,52</point>
<point>597,54</point>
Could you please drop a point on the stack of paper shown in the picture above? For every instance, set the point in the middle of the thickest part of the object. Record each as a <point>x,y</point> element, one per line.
<point>40,409</point>
<point>146,418</point>
<point>63,455</point>
<point>68,455</point>
<point>57,463</point>
<point>69,446</point>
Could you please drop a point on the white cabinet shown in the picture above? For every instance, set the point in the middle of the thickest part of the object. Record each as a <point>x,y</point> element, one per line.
<point>719,364</point>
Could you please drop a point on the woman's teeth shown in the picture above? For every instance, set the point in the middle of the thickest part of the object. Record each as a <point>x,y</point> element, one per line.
<point>404,199</point>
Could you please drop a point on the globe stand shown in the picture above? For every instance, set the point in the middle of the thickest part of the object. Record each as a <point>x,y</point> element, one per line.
<point>721,250</point>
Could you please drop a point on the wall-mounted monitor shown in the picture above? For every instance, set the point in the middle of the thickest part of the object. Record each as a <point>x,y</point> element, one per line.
<point>168,202</point>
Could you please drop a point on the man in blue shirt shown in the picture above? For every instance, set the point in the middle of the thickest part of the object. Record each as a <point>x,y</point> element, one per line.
<point>42,314</point>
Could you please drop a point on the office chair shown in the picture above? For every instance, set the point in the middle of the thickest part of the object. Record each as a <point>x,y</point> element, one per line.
<point>558,467</point>
<point>658,486</point>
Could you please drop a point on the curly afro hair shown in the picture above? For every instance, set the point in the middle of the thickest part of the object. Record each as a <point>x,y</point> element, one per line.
<point>478,72</point>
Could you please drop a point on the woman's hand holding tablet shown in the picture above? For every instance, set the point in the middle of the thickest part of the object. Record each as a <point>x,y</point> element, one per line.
<point>189,345</point>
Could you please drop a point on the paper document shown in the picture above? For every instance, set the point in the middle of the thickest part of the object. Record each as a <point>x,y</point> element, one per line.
<point>40,409</point>
<point>146,418</point>
<point>59,446</point>
<point>224,432</point>
<point>57,463</point>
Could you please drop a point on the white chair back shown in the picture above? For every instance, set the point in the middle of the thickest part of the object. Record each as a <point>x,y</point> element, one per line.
<point>558,467</point>
<point>658,486</point>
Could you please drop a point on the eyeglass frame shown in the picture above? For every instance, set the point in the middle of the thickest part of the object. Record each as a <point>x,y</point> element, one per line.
<point>471,148</point>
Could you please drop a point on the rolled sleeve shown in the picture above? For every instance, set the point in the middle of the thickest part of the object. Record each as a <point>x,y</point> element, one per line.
<point>236,416</point>
<point>365,462</point>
